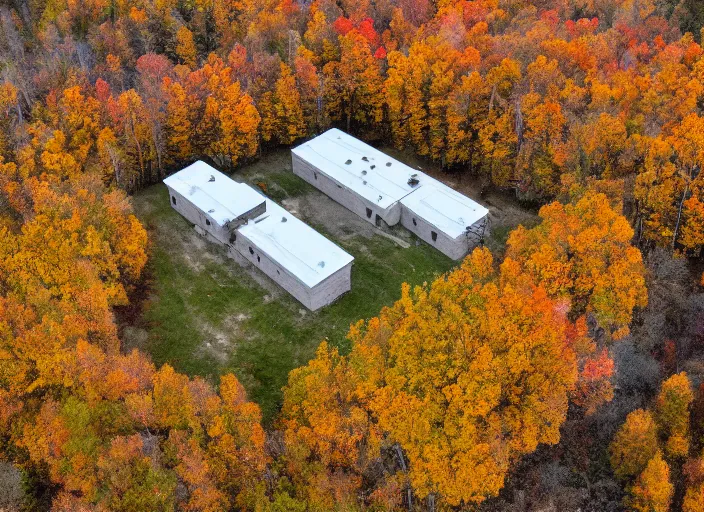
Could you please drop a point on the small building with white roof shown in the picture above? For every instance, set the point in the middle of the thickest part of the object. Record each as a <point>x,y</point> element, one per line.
<point>212,201</point>
<point>302,261</point>
<point>377,187</point>
<point>444,218</point>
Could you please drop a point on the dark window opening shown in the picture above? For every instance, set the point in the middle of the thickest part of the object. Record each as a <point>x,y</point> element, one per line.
<point>258,259</point>
<point>369,213</point>
<point>434,236</point>
<point>207,222</point>
<point>378,220</point>
<point>173,199</point>
<point>251,251</point>
<point>278,272</point>
<point>315,175</point>
<point>233,237</point>
<point>414,222</point>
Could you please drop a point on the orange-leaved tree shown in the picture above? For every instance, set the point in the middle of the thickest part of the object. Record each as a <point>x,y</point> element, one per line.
<point>465,376</point>
<point>582,252</point>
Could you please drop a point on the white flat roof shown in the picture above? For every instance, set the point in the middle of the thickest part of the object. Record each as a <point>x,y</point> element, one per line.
<point>384,184</point>
<point>293,244</point>
<point>447,209</point>
<point>214,193</point>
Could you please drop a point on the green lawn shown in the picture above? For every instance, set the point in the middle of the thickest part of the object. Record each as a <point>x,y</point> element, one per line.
<point>206,315</point>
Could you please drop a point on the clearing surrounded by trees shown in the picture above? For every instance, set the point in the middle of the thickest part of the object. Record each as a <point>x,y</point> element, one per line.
<point>207,315</point>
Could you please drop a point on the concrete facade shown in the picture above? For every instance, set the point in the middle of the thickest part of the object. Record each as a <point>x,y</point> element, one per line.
<point>322,294</point>
<point>302,261</point>
<point>361,178</point>
<point>455,248</point>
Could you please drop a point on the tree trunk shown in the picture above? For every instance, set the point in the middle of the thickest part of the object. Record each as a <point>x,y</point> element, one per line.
<point>431,502</point>
<point>679,215</point>
<point>402,462</point>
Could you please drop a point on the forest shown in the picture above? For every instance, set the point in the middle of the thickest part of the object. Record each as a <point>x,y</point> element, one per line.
<point>562,372</point>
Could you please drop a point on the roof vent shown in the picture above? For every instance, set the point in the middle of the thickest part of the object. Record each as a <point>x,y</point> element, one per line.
<point>321,264</point>
<point>364,182</point>
<point>413,181</point>
<point>364,173</point>
<point>388,164</point>
<point>211,210</point>
<point>372,166</point>
<point>365,159</point>
<point>379,199</point>
<point>348,162</point>
<point>284,219</point>
<point>212,178</point>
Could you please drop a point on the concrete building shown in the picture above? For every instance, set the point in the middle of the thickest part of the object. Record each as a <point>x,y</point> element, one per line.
<point>444,218</point>
<point>212,201</point>
<point>379,188</point>
<point>302,261</point>
<point>356,175</point>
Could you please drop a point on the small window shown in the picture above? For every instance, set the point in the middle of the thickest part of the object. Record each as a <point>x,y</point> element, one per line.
<point>258,259</point>
<point>173,199</point>
<point>434,236</point>
<point>251,251</point>
<point>369,213</point>
<point>315,175</point>
<point>278,272</point>
<point>414,222</point>
<point>207,222</point>
<point>233,237</point>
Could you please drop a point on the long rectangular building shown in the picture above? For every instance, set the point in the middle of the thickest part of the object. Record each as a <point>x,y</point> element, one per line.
<point>380,188</point>
<point>302,261</point>
<point>356,175</point>
<point>309,266</point>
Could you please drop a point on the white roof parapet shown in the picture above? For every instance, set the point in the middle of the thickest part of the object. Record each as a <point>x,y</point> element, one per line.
<point>298,248</point>
<point>448,210</point>
<point>358,166</point>
<point>213,193</point>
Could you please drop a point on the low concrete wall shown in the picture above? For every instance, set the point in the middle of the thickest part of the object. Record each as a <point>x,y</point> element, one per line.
<point>346,197</point>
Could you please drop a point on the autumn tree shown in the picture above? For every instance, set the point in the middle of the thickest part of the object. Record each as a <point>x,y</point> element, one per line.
<point>329,433</point>
<point>672,414</point>
<point>353,84</point>
<point>634,445</point>
<point>653,490</point>
<point>283,118</point>
<point>582,252</point>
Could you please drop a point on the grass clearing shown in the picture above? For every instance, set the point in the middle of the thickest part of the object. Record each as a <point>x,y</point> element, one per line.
<point>206,315</point>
